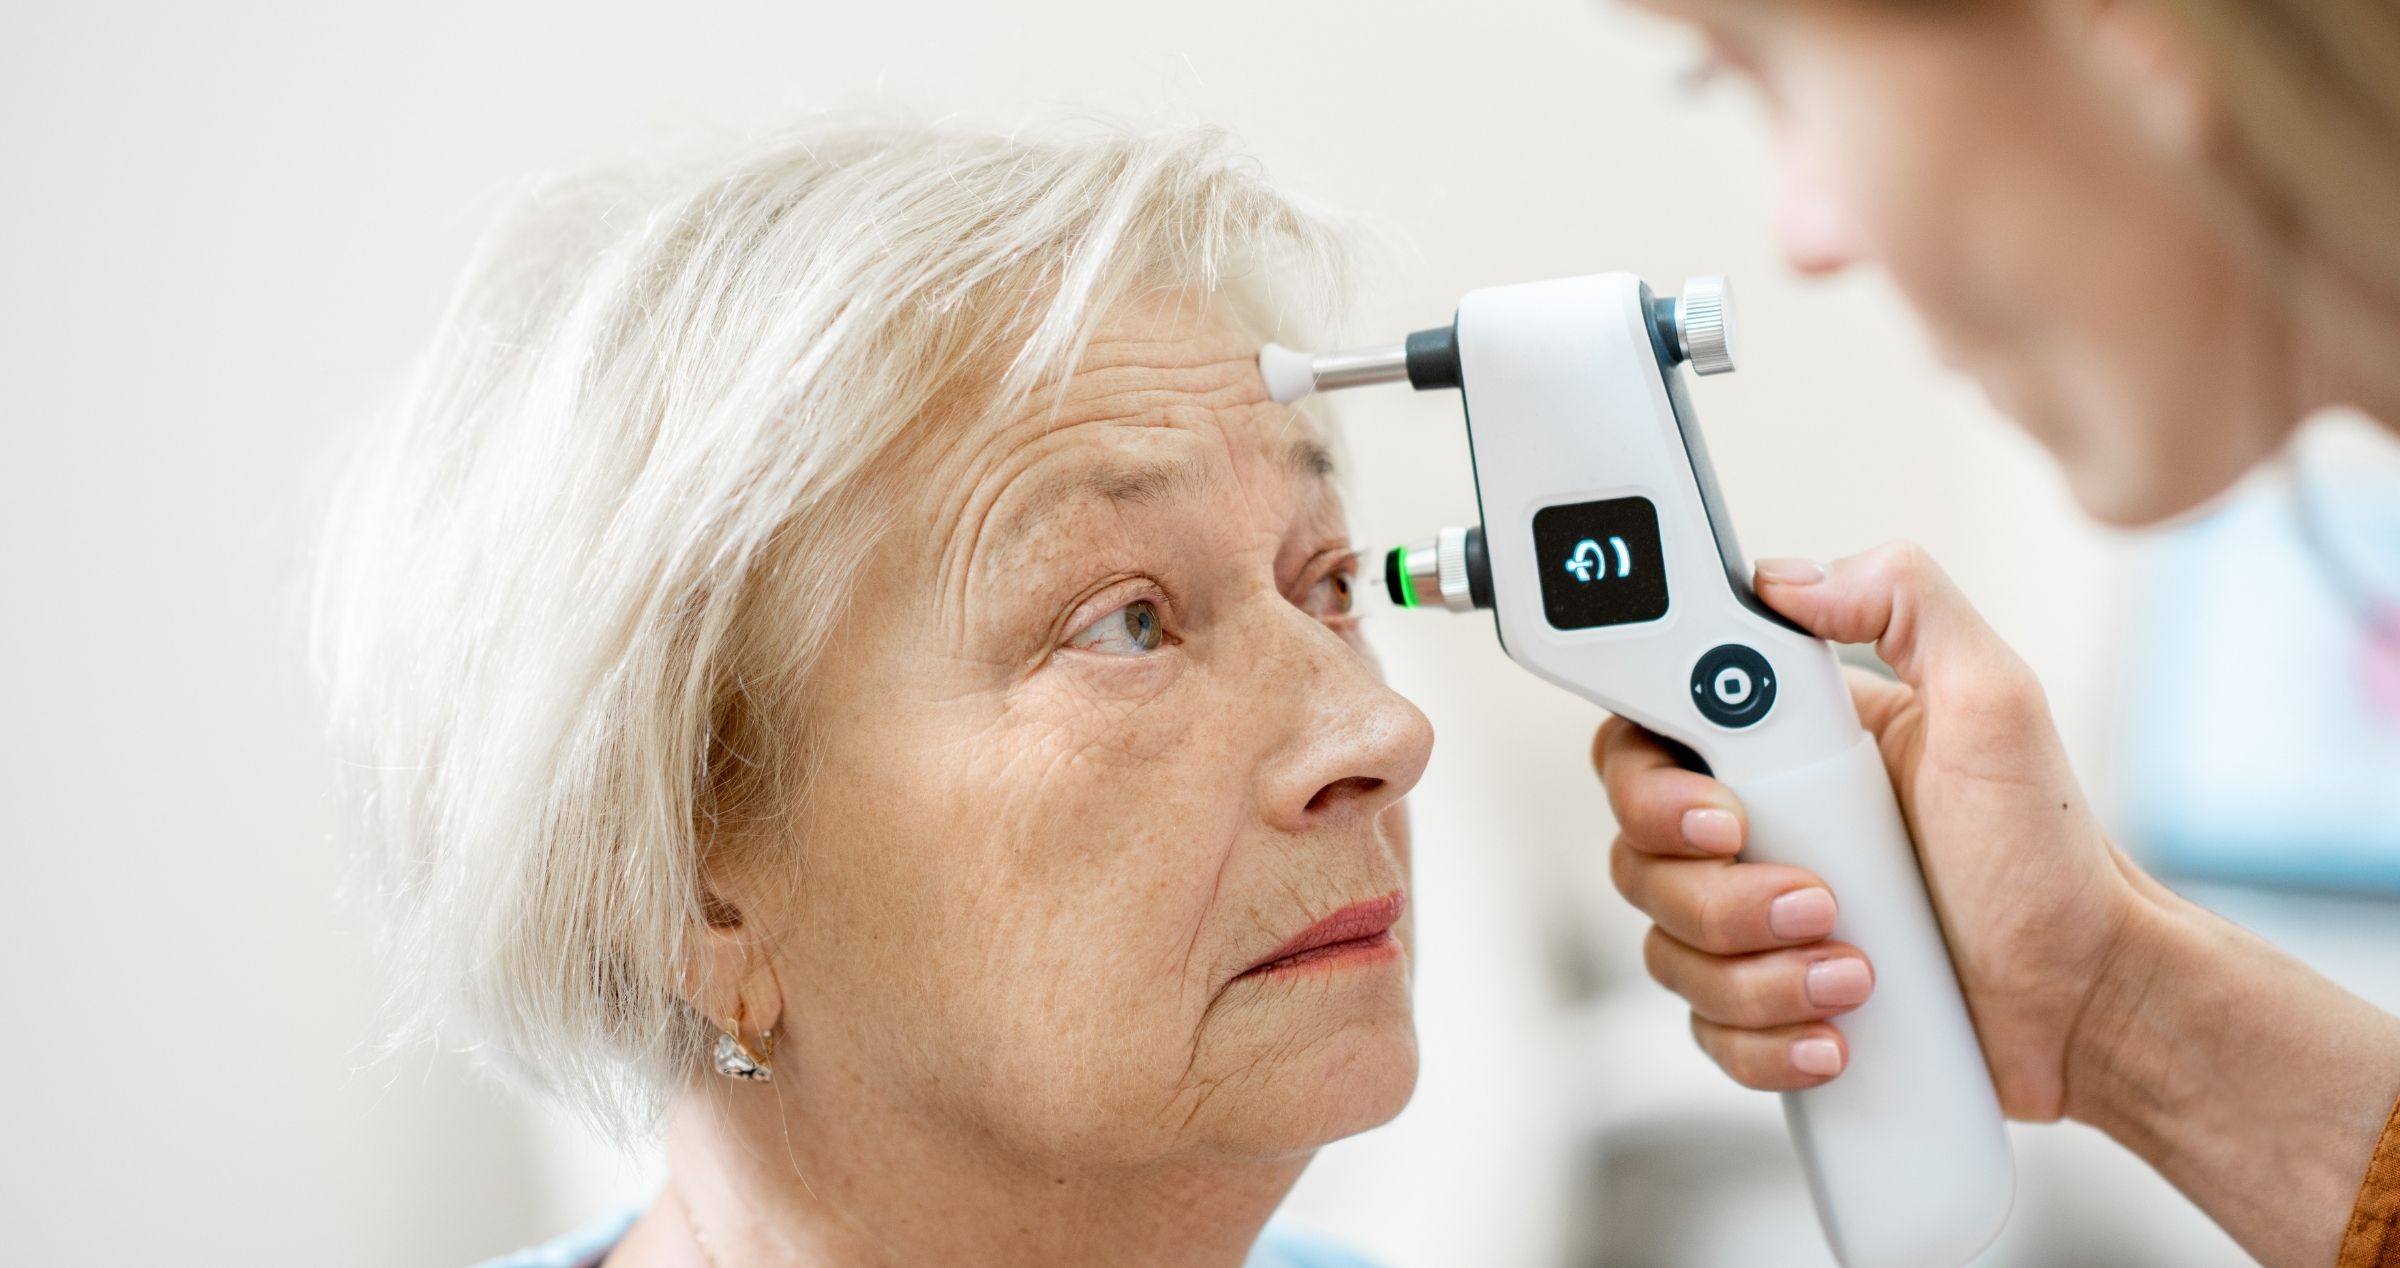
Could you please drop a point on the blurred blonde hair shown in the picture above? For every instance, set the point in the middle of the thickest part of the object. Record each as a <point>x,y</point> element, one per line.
<point>573,582</point>
<point>2309,91</point>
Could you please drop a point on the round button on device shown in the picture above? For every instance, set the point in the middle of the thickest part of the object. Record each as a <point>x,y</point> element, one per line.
<point>1733,686</point>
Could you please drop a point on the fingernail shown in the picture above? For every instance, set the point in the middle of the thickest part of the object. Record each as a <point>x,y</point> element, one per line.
<point>1713,830</point>
<point>1791,572</point>
<point>1817,1057</point>
<point>1839,983</point>
<point>1801,914</point>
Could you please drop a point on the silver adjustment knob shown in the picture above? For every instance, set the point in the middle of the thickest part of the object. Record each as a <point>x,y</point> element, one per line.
<point>1451,570</point>
<point>1704,324</point>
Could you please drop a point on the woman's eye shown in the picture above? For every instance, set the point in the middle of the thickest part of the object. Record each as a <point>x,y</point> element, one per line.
<point>1128,631</point>
<point>1332,595</point>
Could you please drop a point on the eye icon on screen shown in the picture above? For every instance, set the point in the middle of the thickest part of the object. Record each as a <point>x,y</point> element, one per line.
<point>1613,540</point>
<point>1589,560</point>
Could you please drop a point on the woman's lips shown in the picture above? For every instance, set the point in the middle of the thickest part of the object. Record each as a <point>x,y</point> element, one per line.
<point>1358,929</point>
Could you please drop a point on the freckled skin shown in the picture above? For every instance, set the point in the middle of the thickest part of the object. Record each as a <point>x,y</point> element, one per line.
<point>1030,875</point>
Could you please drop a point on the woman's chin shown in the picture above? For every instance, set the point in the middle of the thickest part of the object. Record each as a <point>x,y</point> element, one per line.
<point>2123,494</point>
<point>1323,1088</point>
<point>1372,1085</point>
<point>2131,468</point>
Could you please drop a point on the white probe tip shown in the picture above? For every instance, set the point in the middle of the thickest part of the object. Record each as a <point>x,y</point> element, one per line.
<point>1290,375</point>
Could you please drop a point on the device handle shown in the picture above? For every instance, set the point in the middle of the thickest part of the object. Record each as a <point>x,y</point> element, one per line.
<point>1905,1151</point>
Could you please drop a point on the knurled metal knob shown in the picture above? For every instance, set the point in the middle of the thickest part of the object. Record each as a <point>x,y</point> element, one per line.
<point>1704,324</point>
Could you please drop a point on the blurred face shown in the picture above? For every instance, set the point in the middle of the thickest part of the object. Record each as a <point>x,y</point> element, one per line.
<point>2027,174</point>
<point>1105,861</point>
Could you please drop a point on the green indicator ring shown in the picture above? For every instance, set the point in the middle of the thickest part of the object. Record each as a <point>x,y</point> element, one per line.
<point>1408,589</point>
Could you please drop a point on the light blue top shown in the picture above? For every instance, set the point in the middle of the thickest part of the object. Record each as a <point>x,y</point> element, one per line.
<point>1278,1247</point>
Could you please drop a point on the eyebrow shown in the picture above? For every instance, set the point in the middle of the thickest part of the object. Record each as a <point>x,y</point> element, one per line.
<point>1147,484</point>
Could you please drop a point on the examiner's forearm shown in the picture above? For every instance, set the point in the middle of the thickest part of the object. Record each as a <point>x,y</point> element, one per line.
<point>2254,1084</point>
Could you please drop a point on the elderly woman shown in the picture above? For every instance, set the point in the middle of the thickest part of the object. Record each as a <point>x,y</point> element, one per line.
<point>841,662</point>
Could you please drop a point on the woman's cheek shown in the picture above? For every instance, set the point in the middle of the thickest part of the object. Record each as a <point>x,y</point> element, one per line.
<point>1109,708</point>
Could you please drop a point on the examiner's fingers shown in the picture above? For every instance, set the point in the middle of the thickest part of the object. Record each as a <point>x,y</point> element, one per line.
<point>1774,988</point>
<point>1897,598</point>
<point>1784,1059</point>
<point>1880,698</point>
<point>1723,907</point>
<point>1661,807</point>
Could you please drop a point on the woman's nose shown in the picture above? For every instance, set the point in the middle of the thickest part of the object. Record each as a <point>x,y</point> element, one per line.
<point>1813,228</point>
<point>1354,747</point>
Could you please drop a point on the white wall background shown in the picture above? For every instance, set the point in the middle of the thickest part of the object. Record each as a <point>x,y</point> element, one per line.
<point>223,227</point>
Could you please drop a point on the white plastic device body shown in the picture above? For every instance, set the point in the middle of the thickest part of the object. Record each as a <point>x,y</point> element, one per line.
<point>1572,398</point>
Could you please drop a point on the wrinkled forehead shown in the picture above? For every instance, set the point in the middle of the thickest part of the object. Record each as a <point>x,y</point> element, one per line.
<point>1165,403</point>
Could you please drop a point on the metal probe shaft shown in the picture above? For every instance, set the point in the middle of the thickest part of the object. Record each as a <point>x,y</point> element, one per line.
<point>1427,359</point>
<point>1360,366</point>
<point>1292,374</point>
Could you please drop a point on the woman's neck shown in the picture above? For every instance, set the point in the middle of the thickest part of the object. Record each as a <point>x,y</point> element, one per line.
<point>2351,334</point>
<point>777,1176</point>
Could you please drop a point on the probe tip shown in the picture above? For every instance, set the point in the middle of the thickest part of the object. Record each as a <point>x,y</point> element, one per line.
<point>1290,375</point>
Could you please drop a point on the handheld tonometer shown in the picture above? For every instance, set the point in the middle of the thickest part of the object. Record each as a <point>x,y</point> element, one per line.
<point>1609,564</point>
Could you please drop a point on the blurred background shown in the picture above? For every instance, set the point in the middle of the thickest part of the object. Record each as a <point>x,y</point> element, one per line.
<point>224,228</point>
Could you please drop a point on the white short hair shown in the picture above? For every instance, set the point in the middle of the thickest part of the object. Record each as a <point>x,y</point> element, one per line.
<point>535,598</point>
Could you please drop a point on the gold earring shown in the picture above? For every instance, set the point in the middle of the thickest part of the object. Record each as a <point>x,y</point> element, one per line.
<point>737,1060</point>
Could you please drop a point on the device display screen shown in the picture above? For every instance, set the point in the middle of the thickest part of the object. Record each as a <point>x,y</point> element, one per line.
<point>1601,563</point>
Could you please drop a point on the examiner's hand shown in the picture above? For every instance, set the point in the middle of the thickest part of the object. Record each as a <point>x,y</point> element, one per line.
<point>2030,891</point>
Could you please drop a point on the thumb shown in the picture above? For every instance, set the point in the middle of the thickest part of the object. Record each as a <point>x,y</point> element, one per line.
<point>1897,598</point>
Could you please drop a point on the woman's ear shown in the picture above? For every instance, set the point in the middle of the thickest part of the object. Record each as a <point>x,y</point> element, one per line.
<point>727,973</point>
<point>2139,54</point>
